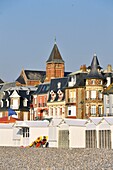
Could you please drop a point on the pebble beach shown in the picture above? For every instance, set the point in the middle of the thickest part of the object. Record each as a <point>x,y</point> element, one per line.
<point>18,158</point>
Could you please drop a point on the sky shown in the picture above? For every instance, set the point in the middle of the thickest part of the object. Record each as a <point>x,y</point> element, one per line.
<point>28,29</point>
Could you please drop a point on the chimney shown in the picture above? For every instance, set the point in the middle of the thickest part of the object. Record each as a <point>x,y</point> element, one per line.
<point>83,68</point>
<point>109,68</point>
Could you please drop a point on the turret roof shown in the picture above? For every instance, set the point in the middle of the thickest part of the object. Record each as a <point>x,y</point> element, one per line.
<point>95,69</point>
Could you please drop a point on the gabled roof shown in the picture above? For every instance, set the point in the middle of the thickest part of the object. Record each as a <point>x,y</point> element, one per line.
<point>75,122</point>
<point>55,56</point>
<point>95,69</point>
<point>55,121</point>
<point>95,120</point>
<point>109,120</point>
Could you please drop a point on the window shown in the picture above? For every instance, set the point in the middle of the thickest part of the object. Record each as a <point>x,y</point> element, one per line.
<point>25,132</point>
<point>92,82</point>
<point>93,94</point>
<point>15,104</point>
<point>100,110</point>
<point>87,109</point>
<point>100,94</point>
<point>93,110</point>
<point>87,94</point>
<point>69,112</point>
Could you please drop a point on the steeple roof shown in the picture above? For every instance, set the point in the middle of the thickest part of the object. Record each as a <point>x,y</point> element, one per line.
<point>95,69</point>
<point>55,56</point>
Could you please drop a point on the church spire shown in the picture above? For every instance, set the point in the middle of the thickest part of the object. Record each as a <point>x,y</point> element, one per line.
<point>55,56</point>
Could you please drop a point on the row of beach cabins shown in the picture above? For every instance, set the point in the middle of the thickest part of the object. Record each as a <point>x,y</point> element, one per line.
<point>94,132</point>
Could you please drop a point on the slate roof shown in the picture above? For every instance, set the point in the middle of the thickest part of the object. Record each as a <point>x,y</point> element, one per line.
<point>80,80</point>
<point>43,88</point>
<point>54,86</point>
<point>55,56</point>
<point>6,86</point>
<point>32,75</point>
<point>66,73</point>
<point>20,79</point>
<point>94,73</point>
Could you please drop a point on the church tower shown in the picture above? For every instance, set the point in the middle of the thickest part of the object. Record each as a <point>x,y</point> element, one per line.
<point>94,89</point>
<point>54,65</point>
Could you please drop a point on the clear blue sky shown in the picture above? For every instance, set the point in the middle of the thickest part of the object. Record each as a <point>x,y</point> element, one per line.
<point>28,29</point>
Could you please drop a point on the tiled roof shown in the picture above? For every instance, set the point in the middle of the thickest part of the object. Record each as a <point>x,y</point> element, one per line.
<point>55,56</point>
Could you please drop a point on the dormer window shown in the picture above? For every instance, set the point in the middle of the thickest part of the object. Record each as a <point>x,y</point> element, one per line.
<point>27,92</point>
<point>25,102</point>
<point>59,85</point>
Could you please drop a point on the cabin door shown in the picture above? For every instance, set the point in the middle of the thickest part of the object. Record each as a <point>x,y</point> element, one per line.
<point>25,136</point>
<point>91,141</point>
<point>63,140</point>
<point>105,139</point>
